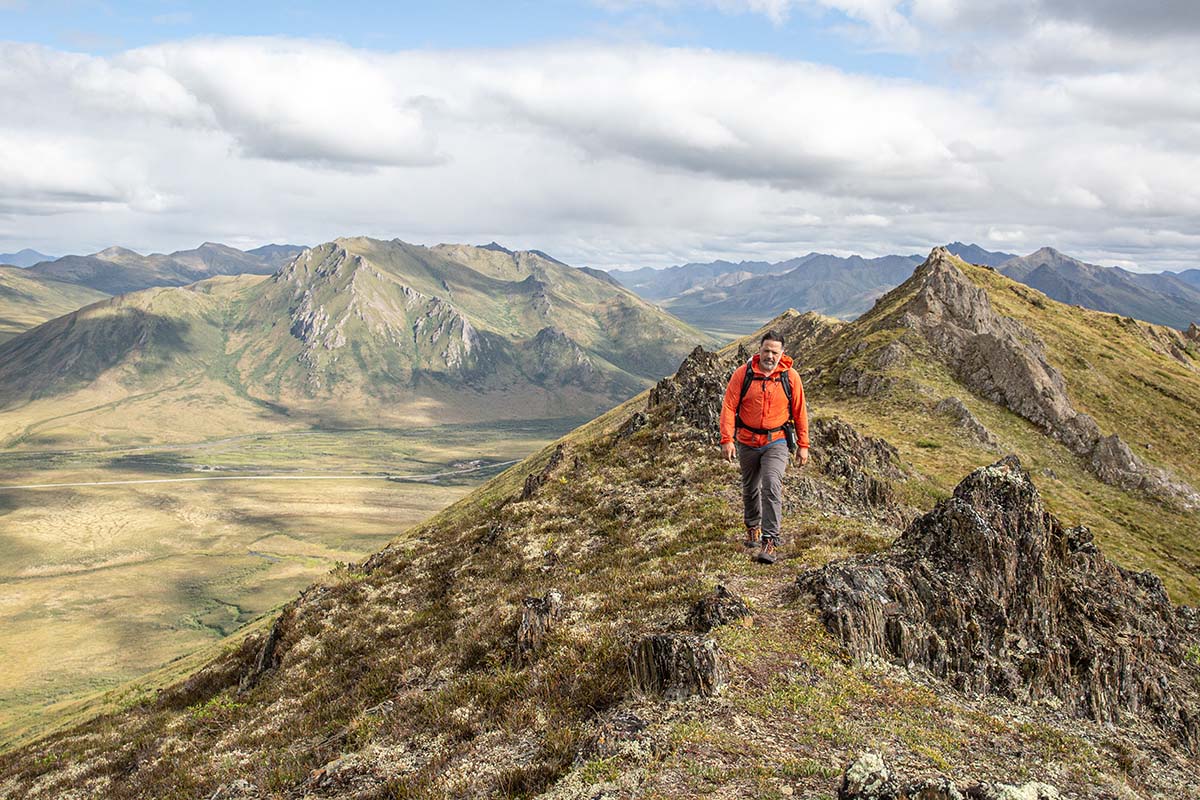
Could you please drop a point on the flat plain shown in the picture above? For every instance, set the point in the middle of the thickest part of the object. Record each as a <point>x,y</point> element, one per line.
<point>122,560</point>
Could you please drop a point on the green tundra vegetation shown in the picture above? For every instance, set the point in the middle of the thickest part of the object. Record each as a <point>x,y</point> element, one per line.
<point>400,675</point>
<point>363,359</point>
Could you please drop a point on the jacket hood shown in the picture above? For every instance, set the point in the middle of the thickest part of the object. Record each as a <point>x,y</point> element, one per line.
<point>785,362</point>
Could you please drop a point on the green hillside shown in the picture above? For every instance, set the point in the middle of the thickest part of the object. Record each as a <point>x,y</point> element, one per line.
<point>418,673</point>
<point>348,334</point>
<point>27,300</point>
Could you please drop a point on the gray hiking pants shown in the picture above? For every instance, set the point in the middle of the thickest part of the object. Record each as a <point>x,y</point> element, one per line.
<point>762,487</point>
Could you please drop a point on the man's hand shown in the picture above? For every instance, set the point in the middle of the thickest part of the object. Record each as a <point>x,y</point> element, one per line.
<point>802,456</point>
<point>727,451</point>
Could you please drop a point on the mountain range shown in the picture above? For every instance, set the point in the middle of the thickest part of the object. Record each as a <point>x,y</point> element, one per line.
<point>28,299</point>
<point>1163,298</point>
<point>116,270</point>
<point>588,624</point>
<point>723,296</point>
<point>352,330</point>
<point>23,258</point>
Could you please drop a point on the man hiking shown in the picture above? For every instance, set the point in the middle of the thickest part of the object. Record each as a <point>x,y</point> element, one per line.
<point>762,419</point>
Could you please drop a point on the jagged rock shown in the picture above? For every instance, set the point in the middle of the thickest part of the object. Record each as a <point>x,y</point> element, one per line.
<point>865,383</point>
<point>865,464</point>
<point>267,658</point>
<point>695,393</point>
<point>868,778</point>
<point>1115,464</point>
<point>677,666</point>
<point>635,423</point>
<point>989,592</point>
<point>557,358</point>
<point>1193,332</point>
<point>892,355</point>
<point>538,615</point>
<point>803,333</point>
<point>721,607</point>
<point>534,480</point>
<point>957,410</point>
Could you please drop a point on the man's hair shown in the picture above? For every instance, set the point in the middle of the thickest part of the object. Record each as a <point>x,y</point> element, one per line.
<point>773,336</point>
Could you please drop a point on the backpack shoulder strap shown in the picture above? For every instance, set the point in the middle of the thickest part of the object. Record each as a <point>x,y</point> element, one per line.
<point>747,379</point>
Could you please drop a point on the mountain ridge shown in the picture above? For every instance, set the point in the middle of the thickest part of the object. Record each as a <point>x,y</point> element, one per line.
<point>117,270</point>
<point>723,295</point>
<point>364,326</point>
<point>510,645</point>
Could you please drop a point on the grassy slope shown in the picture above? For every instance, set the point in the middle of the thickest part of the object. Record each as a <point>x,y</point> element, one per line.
<point>27,300</point>
<point>409,666</point>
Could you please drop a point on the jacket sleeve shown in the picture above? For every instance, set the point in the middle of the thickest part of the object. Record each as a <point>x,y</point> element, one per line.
<point>799,409</point>
<point>733,395</point>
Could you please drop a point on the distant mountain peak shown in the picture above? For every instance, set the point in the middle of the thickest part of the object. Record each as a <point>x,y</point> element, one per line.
<point>116,251</point>
<point>499,248</point>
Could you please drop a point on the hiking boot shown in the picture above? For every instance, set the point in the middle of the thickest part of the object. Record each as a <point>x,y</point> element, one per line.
<point>767,553</point>
<point>753,537</point>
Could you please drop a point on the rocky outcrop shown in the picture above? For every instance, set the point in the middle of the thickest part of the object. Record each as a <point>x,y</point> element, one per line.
<point>1193,333</point>
<point>997,357</point>
<point>989,592</point>
<point>637,420</point>
<point>955,409</point>
<point>556,358</point>
<point>538,615</point>
<point>534,480</point>
<point>267,657</point>
<point>695,393</point>
<point>444,330</point>
<point>864,464</point>
<point>677,666</point>
<point>1114,463</point>
<point>869,778</point>
<point>720,607</point>
<point>1005,362</point>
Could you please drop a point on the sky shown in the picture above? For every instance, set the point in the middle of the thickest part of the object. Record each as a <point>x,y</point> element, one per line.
<point>609,133</point>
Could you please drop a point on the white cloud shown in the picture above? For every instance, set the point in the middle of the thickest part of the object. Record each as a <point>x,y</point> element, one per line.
<point>605,155</point>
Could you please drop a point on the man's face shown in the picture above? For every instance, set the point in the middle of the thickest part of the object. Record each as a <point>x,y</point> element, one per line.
<point>769,354</point>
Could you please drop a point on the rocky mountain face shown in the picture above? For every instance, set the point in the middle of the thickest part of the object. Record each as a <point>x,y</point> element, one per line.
<point>1005,362</point>
<point>117,270</point>
<point>1161,298</point>
<point>588,624</point>
<point>366,315</point>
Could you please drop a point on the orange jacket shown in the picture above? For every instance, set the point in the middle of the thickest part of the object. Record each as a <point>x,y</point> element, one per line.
<point>765,405</point>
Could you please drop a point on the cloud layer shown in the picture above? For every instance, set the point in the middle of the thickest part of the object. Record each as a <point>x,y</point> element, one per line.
<point>622,155</point>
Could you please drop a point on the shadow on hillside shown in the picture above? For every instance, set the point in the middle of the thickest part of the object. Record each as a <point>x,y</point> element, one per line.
<point>74,350</point>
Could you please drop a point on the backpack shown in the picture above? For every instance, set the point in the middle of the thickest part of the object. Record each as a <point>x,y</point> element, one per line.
<point>788,427</point>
